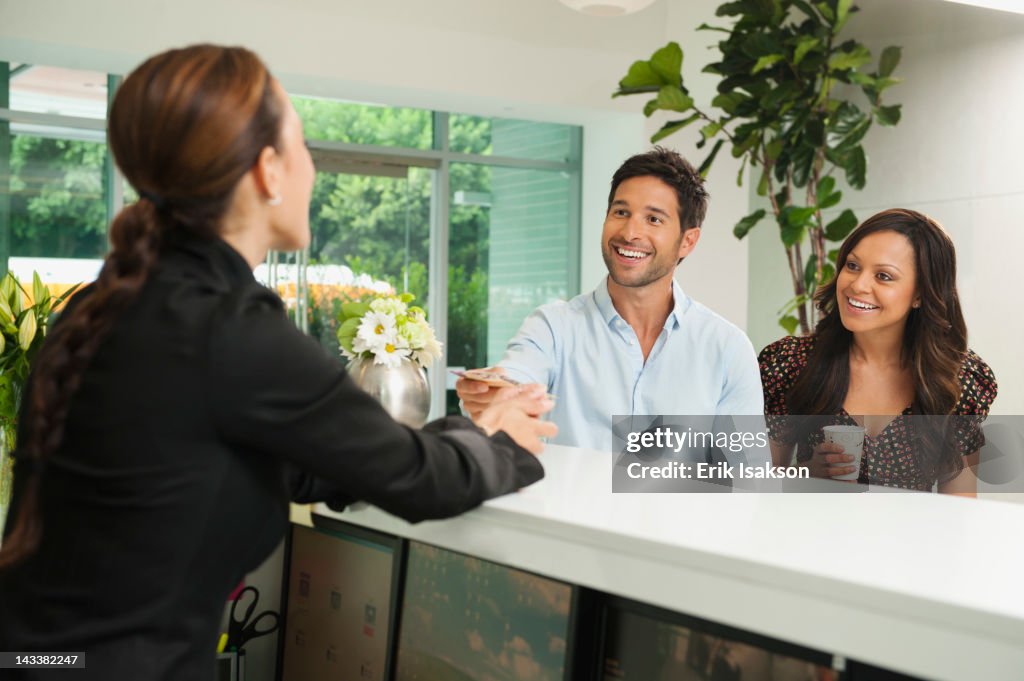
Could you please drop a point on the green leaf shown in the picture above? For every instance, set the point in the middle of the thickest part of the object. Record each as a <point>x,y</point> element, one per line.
<point>790,324</point>
<point>641,78</point>
<point>16,303</point>
<point>828,271</point>
<point>855,58</point>
<point>811,273</point>
<point>6,314</point>
<point>748,223</point>
<point>27,331</point>
<point>355,309</point>
<point>774,148</point>
<point>3,343</point>
<point>347,332</point>
<point>797,216</point>
<point>842,14</point>
<point>762,185</point>
<point>825,11</point>
<point>707,27</point>
<point>672,98</point>
<point>847,127</point>
<point>776,96</point>
<point>889,60</point>
<point>650,107</point>
<point>710,130</point>
<point>803,46</point>
<point>728,101</point>
<point>888,115</point>
<point>826,186</point>
<point>706,165</point>
<point>840,228</point>
<point>882,84</point>
<point>792,235</point>
<point>803,161</point>
<point>829,200</point>
<point>833,254</point>
<point>856,167</point>
<point>667,63</point>
<point>730,9</point>
<point>672,127</point>
<point>765,62</point>
<point>862,79</point>
<point>739,174</point>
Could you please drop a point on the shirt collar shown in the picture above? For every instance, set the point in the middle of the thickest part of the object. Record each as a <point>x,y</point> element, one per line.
<point>211,260</point>
<point>680,304</point>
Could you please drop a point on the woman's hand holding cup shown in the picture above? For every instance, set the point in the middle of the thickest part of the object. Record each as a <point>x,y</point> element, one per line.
<point>829,460</point>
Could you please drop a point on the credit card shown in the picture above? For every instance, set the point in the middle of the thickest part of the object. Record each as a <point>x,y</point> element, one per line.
<point>491,378</point>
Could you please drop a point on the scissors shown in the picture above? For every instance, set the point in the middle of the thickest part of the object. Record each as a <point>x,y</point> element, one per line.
<point>241,631</point>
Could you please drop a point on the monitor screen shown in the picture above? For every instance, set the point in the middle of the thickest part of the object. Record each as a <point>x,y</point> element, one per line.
<point>466,618</point>
<point>643,646</point>
<point>338,611</point>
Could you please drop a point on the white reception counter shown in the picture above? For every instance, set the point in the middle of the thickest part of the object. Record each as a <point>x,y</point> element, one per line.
<point>923,584</point>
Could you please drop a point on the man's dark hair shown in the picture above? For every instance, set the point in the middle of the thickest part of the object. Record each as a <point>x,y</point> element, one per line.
<point>676,172</point>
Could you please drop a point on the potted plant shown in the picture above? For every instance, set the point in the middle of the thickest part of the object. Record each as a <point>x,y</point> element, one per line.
<point>389,344</point>
<point>23,323</point>
<point>785,104</point>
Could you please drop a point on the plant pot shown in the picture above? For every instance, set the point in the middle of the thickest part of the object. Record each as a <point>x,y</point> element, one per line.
<point>402,390</point>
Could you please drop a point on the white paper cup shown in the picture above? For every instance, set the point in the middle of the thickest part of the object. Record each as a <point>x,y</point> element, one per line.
<point>851,439</point>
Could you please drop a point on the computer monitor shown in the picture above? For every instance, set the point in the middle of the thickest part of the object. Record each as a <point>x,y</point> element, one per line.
<point>644,642</point>
<point>466,618</point>
<point>341,586</point>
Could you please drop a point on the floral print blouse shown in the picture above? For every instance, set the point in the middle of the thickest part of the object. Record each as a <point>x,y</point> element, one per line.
<point>889,458</point>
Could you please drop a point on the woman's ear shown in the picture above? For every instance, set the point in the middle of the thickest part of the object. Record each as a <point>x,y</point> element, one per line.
<point>267,174</point>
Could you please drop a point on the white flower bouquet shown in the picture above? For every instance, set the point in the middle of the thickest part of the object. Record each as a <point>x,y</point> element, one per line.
<point>387,329</point>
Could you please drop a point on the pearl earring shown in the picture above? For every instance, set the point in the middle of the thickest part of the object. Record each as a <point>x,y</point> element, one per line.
<point>274,200</point>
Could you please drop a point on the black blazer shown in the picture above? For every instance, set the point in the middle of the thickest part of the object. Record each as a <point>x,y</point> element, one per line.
<point>204,411</point>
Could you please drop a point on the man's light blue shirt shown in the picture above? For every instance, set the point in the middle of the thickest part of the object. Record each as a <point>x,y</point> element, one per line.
<point>591,361</point>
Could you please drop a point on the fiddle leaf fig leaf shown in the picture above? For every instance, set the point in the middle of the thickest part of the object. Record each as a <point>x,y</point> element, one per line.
<point>840,228</point>
<point>673,126</point>
<point>748,223</point>
<point>640,78</point>
<point>803,46</point>
<point>888,115</point>
<point>856,167</point>
<point>667,63</point>
<point>671,98</point>
<point>889,60</point>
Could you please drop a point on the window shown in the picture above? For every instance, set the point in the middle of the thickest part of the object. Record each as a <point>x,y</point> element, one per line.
<point>393,185</point>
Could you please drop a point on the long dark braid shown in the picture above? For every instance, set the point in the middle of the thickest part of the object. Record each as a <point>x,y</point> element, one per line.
<point>184,128</point>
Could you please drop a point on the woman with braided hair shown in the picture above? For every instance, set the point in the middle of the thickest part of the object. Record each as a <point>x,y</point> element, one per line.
<point>174,409</point>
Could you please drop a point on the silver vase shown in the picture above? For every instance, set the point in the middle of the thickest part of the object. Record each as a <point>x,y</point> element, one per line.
<point>403,390</point>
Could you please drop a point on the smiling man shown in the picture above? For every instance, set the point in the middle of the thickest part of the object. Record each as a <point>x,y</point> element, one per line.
<point>636,344</point>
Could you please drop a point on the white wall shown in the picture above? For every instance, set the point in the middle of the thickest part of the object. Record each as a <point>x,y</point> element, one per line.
<point>954,156</point>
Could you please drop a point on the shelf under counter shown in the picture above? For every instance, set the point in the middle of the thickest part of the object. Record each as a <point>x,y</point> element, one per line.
<point>923,584</point>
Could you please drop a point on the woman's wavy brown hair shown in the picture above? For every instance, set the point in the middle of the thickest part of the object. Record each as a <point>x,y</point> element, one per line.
<point>184,128</point>
<point>934,340</point>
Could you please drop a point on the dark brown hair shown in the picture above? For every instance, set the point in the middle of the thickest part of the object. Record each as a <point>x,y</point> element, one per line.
<point>184,128</point>
<point>676,172</point>
<point>934,340</point>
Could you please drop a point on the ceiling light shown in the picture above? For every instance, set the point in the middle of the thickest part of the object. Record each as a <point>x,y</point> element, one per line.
<point>607,8</point>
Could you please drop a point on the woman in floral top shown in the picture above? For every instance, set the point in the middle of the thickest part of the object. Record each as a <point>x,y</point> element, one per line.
<point>891,345</point>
